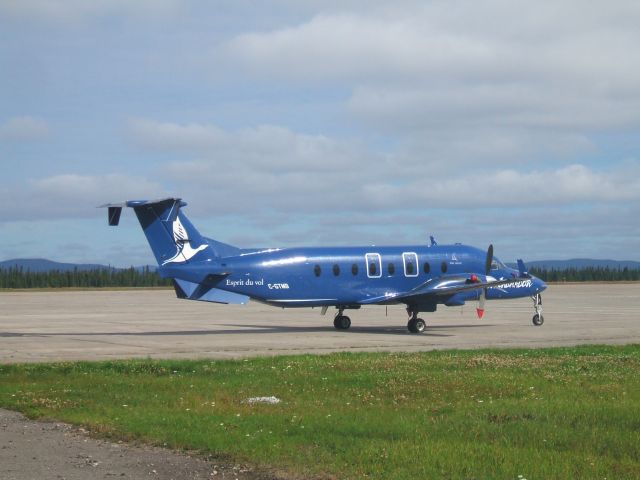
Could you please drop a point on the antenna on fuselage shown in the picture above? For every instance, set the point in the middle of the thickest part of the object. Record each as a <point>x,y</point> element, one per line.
<point>433,241</point>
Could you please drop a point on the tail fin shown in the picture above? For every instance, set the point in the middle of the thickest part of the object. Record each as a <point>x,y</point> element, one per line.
<point>172,237</point>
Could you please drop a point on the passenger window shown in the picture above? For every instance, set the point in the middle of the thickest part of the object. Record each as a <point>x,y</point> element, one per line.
<point>443,267</point>
<point>354,269</point>
<point>391,268</point>
<point>410,269</point>
<point>427,267</point>
<point>336,269</point>
<point>317,270</point>
<point>373,271</point>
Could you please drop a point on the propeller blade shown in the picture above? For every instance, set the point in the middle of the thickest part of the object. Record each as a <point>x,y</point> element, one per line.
<point>483,293</point>
<point>487,265</point>
<point>481,302</point>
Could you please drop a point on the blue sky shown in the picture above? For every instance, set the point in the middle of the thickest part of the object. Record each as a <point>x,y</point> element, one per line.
<point>322,123</point>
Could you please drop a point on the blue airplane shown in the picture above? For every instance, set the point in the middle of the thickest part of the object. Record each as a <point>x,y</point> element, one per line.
<point>418,276</point>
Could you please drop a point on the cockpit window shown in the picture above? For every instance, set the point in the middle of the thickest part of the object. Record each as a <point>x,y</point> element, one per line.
<point>497,264</point>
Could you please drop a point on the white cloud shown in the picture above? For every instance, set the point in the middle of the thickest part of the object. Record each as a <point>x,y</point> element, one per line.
<point>350,46</point>
<point>89,189</point>
<point>571,185</point>
<point>72,195</point>
<point>76,10</point>
<point>24,129</point>
<point>469,41</point>
<point>172,136</point>
<point>271,168</point>
<point>264,148</point>
<point>499,106</point>
<point>437,65</point>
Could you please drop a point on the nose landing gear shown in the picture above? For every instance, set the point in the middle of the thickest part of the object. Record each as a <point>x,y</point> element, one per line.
<point>537,319</point>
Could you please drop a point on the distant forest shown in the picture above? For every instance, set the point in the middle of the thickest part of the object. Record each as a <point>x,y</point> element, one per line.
<point>132,277</point>
<point>96,278</point>
<point>587,274</point>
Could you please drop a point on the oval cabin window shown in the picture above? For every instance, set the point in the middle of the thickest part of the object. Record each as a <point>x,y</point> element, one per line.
<point>373,270</point>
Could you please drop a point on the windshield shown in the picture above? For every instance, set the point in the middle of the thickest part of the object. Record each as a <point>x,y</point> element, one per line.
<point>496,264</point>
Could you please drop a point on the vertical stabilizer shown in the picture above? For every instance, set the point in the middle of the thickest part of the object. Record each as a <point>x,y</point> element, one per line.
<point>172,237</point>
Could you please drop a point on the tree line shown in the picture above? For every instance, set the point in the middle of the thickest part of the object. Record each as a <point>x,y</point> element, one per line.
<point>96,278</point>
<point>587,274</point>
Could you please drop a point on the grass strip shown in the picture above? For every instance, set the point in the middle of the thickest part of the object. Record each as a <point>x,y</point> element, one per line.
<point>547,413</point>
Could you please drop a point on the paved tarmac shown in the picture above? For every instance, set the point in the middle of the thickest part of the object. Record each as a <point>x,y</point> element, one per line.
<point>93,325</point>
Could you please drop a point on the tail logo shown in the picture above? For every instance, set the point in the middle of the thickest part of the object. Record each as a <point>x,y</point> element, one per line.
<point>184,251</point>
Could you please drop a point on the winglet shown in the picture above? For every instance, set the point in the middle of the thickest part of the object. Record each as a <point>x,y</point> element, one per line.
<point>114,216</point>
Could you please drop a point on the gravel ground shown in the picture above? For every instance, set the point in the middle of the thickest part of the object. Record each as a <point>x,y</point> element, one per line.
<point>52,450</point>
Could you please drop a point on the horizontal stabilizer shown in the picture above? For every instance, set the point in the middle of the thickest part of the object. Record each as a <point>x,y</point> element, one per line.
<point>204,293</point>
<point>115,209</point>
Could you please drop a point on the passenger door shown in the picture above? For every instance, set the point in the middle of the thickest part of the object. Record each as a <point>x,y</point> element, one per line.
<point>410,262</point>
<point>374,265</point>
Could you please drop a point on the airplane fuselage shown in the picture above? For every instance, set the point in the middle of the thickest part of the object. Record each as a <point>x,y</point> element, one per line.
<point>315,276</point>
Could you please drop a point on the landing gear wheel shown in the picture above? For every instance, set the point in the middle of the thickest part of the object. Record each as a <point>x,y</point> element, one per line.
<point>416,325</point>
<point>537,319</point>
<point>342,322</point>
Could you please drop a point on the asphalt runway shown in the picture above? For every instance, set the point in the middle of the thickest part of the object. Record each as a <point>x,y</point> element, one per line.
<point>95,325</point>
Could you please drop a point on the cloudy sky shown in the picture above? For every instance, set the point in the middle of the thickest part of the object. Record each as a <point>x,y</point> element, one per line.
<point>322,123</point>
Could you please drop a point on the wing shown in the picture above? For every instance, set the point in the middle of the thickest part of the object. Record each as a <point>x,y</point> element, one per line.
<point>434,289</point>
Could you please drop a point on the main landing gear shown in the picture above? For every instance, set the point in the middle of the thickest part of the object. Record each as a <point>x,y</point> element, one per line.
<point>537,319</point>
<point>341,322</point>
<point>415,325</point>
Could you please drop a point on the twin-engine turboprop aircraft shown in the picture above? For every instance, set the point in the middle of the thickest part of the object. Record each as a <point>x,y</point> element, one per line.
<point>419,276</point>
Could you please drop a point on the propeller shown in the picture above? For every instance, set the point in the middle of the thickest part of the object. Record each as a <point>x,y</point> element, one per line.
<point>483,293</point>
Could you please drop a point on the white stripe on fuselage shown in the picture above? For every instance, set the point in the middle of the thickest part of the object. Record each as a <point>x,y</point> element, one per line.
<point>516,284</point>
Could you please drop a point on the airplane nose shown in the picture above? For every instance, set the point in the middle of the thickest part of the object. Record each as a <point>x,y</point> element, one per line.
<point>539,284</point>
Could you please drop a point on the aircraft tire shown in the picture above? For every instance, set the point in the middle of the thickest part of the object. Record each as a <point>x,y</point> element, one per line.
<point>537,320</point>
<point>416,325</point>
<point>342,322</point>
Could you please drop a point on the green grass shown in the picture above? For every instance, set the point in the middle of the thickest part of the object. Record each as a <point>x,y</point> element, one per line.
<point>551,413</point>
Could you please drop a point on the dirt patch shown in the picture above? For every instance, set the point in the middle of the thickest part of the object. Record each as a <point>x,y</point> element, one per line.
<point>34,449</point>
